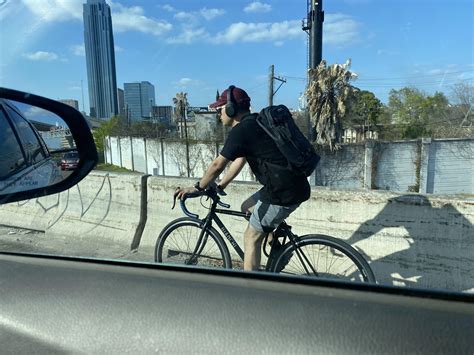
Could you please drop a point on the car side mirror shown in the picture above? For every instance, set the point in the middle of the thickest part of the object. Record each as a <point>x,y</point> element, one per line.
<point>45,146</point>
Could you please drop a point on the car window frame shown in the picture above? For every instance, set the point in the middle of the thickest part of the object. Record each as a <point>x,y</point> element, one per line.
<point>26,164</point>
<point>30,160</point>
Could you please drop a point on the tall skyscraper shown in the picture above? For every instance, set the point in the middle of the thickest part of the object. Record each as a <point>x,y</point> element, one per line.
<point>139,100</point>
<point>100,59</point>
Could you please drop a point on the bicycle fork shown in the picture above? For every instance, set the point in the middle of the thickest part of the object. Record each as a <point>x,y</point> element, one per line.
<point>201,243</point>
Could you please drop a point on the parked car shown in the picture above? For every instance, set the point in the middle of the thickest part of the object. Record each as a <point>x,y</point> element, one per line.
<point>70,161</point>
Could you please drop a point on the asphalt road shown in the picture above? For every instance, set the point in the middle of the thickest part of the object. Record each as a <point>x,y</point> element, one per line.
<point>30,241</point>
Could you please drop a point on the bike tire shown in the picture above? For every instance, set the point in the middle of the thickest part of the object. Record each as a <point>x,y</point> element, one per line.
<point>288,262</point>
<point>175,245</point>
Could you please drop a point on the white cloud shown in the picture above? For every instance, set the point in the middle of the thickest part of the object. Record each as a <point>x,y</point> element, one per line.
<point>41,56</point>
<point>123,18</point>
<point>118,48</point>
<point>133,19</point>
<point>185,82</point>
<point>185,16</point>
<point>259,32</point>
<point>33,112</point>
<point>436,71</point>
<point>257,6</point>
<point>189,35</point>
<point>210,14</point>
<point>55,10</point>
<point>168,8</point>
<point>79,50</point>
<point>340,30</point>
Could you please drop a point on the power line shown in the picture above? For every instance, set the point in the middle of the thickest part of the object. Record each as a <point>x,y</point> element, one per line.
<point>419,76</point>
<point>432,83</point>
<point>362,79</point>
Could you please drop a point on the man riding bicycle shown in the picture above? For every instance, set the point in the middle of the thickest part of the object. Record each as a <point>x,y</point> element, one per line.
<point>283,190</point>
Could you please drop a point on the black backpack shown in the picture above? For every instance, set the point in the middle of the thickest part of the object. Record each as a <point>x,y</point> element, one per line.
<point>279,124</point>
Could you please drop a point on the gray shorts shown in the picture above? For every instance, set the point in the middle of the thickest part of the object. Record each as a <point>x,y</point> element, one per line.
<point>266,217</point>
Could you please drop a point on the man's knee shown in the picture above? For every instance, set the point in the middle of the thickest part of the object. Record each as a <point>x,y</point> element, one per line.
<point>252,235</point>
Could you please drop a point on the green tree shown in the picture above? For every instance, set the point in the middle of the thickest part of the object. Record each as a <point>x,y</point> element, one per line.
<point>147,129</point>
<point>366,111</point>
<point>105,129</point>
<point>416,113</point>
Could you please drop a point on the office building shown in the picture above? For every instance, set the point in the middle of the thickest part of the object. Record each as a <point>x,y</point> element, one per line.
<point>100,59</point>
<point>162,114</point>
<point>139,100</point>
<point>121,102</point>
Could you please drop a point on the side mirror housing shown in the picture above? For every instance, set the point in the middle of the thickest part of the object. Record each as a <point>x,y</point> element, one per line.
<point>41,157</point>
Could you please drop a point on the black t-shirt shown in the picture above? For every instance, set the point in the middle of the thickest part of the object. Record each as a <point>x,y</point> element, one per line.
<point>281,186</point>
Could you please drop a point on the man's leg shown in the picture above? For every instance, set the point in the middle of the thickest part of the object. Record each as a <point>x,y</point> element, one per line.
<point>252,248</point>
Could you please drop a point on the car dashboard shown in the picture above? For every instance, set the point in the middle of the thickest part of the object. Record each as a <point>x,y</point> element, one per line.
<point>71,305</point>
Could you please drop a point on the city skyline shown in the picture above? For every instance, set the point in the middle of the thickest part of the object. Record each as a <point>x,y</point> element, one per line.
<point>200,48</point>
<point>100,59</point>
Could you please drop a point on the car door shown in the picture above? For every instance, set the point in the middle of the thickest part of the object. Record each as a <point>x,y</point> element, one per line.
<point>29,164</point>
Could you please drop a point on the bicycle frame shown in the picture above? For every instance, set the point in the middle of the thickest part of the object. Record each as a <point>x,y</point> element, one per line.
<point>213,216</point>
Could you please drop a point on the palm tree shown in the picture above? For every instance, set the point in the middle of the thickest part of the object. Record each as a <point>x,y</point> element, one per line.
<point>329,96</point>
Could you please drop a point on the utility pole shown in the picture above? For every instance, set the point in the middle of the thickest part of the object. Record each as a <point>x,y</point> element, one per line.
<point>313,26</point>
<point>271,78</point>
<point>184,116</point>
<point>271,74</point>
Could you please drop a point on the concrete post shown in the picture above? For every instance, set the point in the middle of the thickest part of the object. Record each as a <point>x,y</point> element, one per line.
<point>369,153</point>
<point>424,164</point>
<point>146,156</point>
<point>120,151</point>
<point>131,153</point>
<point>162,157</point>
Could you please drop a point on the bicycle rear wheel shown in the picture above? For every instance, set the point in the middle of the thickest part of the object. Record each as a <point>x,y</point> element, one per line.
<point>322,256</point>
<point>178,240</point>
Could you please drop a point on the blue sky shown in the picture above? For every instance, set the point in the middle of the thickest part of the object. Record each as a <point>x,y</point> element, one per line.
<point>203,46</point>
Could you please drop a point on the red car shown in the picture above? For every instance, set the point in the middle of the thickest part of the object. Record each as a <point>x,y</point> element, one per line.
<point>70,161</point>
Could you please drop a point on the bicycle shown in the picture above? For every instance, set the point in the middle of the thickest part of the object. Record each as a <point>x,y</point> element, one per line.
<point>194,241</point>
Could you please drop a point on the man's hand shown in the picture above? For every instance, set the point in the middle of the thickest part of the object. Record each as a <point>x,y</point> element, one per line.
<point>181,192</point>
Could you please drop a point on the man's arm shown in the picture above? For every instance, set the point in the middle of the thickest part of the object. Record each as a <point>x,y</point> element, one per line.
<point>234,170</point>
<point>214,170</point>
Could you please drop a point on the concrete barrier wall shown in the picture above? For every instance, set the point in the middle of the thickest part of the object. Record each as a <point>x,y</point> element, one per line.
<point>410,240</point>
<point>102,206</point>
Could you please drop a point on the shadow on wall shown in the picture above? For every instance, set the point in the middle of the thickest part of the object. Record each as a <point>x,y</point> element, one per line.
<point>438,244</point>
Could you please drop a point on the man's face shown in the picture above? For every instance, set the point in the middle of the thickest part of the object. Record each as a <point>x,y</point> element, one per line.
<point>226,120</point>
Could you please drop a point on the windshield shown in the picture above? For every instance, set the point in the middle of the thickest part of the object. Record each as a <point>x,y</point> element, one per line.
<point>71,156</point>
<point>370,161</point>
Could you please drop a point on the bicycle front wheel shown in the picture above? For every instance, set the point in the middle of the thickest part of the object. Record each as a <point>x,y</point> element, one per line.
<point>324,257</point>
<point>178,243</point>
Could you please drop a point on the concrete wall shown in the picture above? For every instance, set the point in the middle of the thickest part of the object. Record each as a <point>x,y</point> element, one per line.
<point>409,239</point>
<point>428,166</point>
<point>103,205</point>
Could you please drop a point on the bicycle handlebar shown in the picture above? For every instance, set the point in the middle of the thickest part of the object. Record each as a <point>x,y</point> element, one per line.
<point>212,191</point>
